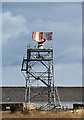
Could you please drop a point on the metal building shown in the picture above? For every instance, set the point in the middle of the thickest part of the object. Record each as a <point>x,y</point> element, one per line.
<point>44,56</point>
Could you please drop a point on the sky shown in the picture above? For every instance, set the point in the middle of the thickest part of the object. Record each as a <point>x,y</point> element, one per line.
<point>19,20</point>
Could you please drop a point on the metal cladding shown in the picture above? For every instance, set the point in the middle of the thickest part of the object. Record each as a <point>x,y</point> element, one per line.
<point>42,36</point>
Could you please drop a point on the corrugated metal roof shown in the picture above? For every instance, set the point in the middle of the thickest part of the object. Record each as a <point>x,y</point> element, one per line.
<point>17,94</point>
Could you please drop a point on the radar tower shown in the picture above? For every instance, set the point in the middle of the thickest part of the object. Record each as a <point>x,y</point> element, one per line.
<point>44,56</point>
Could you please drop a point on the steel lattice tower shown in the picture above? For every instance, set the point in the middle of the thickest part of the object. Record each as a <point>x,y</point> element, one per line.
<point>46,76</point>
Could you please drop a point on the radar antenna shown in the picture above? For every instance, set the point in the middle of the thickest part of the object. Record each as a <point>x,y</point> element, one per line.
<point>42,37</point>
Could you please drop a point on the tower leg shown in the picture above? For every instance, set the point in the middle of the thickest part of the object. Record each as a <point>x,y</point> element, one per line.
<point>29,91</point>
<point>26,91</point>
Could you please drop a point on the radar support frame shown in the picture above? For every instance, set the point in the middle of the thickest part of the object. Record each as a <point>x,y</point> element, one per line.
<point>45,57</point>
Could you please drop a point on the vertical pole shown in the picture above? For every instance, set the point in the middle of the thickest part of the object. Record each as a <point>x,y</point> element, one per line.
<point>29,91</point>
<point>52,69</point>
<point>48,87</point>
<point>53,87</point>
<point>29,84</point>
<point>27,74</point>
<point>49,84</point>
<point>26,90</point>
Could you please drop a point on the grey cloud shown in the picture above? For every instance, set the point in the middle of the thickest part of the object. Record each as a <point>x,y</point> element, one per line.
<point>13,26</point>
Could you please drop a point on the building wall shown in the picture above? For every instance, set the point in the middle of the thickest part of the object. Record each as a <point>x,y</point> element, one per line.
<point>17,94</point>
<point>13,95</point>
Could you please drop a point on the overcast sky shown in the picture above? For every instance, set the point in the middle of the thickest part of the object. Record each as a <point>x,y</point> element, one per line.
<point>19,20</point>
